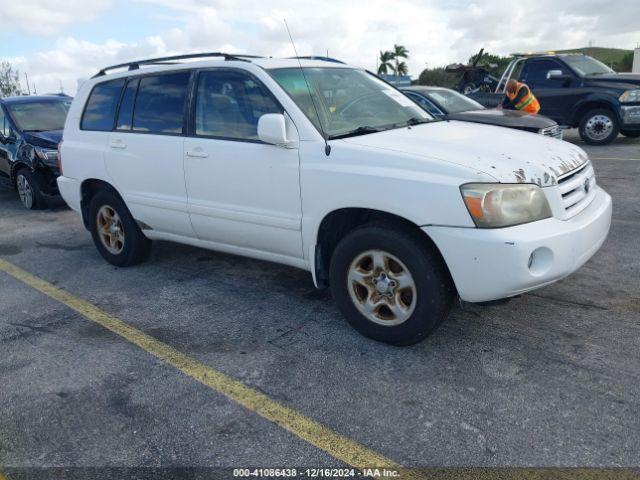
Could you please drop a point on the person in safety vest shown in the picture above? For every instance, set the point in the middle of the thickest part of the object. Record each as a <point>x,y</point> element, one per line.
<point>519,97</point>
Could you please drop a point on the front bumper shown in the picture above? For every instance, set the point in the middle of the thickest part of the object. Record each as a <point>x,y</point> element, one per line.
<point>490,264</point>
<point>630,115</point>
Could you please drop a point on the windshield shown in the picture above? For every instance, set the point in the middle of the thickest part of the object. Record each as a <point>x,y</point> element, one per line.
<point>585,65</point>
<point>349,101</point>
<point>453,102</point>
<point>40,116</point>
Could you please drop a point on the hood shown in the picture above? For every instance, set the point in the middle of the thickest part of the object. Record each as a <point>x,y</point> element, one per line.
<point>49,139</point>
<point>624,81</point>
<point>504,118</point>
<point>507,155</point>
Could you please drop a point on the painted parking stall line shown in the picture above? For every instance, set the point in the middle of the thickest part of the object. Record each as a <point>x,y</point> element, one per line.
<point>336,445</point>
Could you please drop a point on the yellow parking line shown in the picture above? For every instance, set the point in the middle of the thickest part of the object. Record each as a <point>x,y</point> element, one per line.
<point>339,447</point>
<point>2,477</point>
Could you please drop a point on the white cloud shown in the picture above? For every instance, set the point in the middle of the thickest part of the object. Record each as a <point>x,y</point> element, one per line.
<point>355,31</point>
<point>47,17</point>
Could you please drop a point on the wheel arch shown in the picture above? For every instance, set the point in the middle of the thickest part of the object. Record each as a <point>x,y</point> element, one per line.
<point>88,189</point>
<point>15,168</point>
<point>592,103</point>
<point>340,222</point>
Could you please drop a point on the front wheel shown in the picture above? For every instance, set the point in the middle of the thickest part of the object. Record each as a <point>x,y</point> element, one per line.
<point>599,127</point>
<point>29,189</point>
<point>389,284</point>
<point>115,232</point>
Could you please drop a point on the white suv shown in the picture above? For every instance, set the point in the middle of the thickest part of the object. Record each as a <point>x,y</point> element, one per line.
<point>323,166</point>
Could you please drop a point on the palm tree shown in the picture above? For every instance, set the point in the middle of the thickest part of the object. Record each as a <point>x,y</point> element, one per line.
<point>399,52</point>
<point>402,69</point>
<point>385,63</point>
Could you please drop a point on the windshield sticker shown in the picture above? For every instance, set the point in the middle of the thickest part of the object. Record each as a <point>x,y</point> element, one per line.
<point>399,98</point>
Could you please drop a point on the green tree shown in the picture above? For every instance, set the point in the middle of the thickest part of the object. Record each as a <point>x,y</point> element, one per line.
<point>489,58</point>
<point>399,52</point>
<point>386,65</point>
<point>9,80</point>
<point>626,64</point>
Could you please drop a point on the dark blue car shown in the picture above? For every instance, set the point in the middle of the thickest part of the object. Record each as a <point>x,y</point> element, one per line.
<point>30,131</point>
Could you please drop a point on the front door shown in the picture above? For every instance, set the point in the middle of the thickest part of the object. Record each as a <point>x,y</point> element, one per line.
<point>242,192</point>
<point>556,96</point>
<point>5,153</point>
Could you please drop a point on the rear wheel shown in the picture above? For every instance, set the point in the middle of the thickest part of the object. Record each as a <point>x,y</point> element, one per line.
<point>599,127</point>
<point>29,189</point>
<point>630,133</point>
<point>389,285</point>
<point>115,232</point>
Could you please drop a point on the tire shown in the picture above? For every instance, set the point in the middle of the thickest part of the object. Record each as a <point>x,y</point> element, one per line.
<point>630,134</point>
<point>29,190</point>
<point>120,241</point>
<point>422,306</point>
<point>468,88</point>
<point>599,127</point>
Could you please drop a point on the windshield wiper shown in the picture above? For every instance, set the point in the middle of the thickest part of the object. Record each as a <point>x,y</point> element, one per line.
<point>358,131</point>
<point>412,121</point>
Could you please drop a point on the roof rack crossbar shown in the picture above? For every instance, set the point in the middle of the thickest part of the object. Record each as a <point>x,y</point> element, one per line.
<point>135,65</point>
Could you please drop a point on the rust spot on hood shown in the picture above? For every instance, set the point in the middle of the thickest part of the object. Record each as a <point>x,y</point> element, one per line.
<point>520,175</point>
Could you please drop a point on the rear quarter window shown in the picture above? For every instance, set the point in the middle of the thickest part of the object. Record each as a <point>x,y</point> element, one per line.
<point>99,112</point>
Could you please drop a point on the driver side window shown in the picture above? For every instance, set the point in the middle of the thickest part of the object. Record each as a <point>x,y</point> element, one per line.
<point>229,105</point>
<point>537,76</point>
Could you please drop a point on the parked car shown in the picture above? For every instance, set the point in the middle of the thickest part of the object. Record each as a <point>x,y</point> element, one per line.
<point>577,91</point>
<point>30,130</point>
<point>324,167</point>
<point>451,105</point>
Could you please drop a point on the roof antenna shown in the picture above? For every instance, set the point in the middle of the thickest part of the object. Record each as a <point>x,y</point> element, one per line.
<point>327,147</point>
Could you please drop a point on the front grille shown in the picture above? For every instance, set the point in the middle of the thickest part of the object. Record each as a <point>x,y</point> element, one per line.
<point>577,189</point>
<point>554,131</point>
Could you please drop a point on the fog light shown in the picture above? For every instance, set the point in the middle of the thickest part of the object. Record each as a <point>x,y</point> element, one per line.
<point>540,261</point>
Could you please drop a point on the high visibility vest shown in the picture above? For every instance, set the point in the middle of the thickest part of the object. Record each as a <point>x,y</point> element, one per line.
<point>528,103</point>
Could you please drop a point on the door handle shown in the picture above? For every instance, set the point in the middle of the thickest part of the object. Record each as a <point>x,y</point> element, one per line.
<point>118,144</point>
<point>197,153</point>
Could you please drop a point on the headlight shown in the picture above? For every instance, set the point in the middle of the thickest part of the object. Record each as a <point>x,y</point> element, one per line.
<point>630,96</point>
<point>494,205</point>
<point>50,156</point>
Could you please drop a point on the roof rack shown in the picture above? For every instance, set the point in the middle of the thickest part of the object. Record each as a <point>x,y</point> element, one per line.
<point>315,57</point>
<point>172,60</point>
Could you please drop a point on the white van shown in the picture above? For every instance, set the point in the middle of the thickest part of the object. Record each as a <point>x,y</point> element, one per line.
<point>325,167</point>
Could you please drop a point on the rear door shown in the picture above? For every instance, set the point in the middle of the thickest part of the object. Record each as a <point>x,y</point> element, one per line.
<point>242,192</point>
<point>144,153</point>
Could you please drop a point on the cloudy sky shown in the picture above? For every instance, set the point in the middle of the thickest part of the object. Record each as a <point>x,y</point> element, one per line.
<point>59,41</point>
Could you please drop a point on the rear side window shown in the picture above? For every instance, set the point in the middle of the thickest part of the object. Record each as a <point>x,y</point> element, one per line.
<point>159,106</point>
<point>125,114</point>
<point>101,107</point>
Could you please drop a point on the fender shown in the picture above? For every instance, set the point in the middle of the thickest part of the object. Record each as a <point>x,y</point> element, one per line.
<point>597,98</point>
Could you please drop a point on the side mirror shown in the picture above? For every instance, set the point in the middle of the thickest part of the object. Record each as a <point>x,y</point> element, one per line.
<point>558,75</point>
<point>272,129</point>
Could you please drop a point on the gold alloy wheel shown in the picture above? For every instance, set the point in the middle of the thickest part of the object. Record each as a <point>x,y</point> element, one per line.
<point>110,229</point>
<point>382,287</point>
